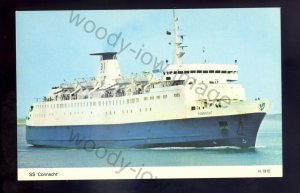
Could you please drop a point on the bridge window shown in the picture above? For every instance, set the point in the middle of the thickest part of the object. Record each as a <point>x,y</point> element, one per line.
<point>223,71</point>
<point>211,71</point>
<point>199,71</point>
<point>180,72</point>
<point>217,71</point>
<point>205,71</point>
<point>186,72</point>
<point>193,71</point>
<point>175,72</point>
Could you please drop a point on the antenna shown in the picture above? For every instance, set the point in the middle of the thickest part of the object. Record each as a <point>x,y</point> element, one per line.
<point>178,41</point>
<point>204,55</point>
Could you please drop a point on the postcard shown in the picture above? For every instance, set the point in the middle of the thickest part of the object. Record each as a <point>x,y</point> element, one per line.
<point>149,94</point>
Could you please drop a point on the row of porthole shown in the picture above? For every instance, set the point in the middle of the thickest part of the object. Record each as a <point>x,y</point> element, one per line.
<point>107,113</point>
<point>94,103</point>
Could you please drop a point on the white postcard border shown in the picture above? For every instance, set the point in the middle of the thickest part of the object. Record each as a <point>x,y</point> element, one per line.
<point>261,171</point>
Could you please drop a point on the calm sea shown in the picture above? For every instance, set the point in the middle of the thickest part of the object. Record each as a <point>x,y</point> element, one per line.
<point>268,151</point>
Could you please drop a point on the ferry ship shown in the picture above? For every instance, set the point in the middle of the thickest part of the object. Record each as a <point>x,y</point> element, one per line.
<point>189,105</point>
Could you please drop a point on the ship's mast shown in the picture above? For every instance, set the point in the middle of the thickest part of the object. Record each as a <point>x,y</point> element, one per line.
<point>178,41</point>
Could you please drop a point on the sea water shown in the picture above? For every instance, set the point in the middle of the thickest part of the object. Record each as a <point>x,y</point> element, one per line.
<point>268,151</point>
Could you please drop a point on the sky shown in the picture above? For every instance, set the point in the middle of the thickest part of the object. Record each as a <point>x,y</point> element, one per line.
<point>53,46</point>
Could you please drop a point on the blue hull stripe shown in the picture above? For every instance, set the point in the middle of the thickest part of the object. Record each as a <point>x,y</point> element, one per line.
<point>239,130</point>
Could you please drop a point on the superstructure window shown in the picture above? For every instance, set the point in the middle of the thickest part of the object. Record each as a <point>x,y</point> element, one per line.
<point>177,95</point>
<point>132,100</point>
<point>175,72</point>
<point>164,96</point>
<point>145,98</point>
<point>157,97</point>
<point>152,98</point>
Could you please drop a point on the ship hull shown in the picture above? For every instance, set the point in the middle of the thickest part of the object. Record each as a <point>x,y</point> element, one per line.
<point>232,130</point>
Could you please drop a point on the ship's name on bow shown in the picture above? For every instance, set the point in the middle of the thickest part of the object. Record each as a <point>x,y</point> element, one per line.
<point>205,113</point>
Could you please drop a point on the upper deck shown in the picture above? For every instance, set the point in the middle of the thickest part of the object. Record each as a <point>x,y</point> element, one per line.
<point>207,73</point>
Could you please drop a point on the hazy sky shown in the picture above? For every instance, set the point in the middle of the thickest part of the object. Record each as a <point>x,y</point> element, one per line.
<point>51,48</point>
